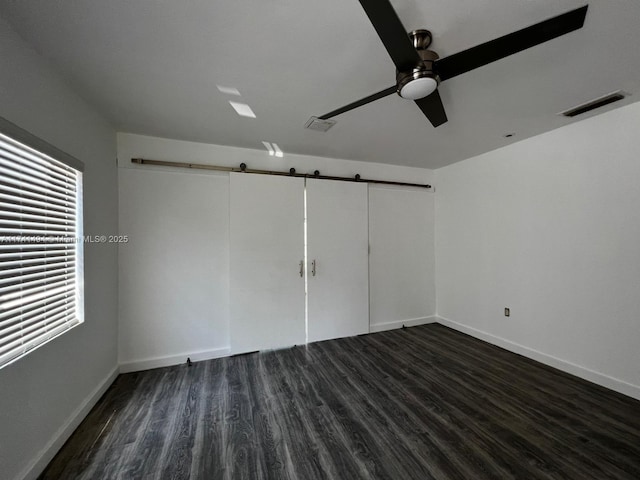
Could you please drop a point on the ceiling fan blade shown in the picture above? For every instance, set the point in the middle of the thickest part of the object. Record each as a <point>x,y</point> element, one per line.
<point>433,109</point>
<point>515,42</point>
<point>392,33</point>
<point>359,103</point>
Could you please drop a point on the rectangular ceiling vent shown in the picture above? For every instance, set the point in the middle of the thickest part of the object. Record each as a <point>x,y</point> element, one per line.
<point>593,104</point>
<point>315,123</point>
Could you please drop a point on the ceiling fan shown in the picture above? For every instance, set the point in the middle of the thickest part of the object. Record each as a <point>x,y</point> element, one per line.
<point>419,70</point>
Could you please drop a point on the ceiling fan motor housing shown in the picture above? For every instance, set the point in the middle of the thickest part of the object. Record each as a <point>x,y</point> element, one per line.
<point>421,40</point>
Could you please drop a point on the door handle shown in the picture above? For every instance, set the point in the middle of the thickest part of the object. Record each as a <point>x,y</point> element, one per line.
<point>313,268</point>
<point>302,268</point>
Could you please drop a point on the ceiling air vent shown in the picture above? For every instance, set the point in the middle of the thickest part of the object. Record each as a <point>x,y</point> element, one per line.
<point>593,104</point>
<point>315,123</point>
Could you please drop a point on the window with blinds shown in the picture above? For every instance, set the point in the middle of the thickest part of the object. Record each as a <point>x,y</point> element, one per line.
<point>40,244</point>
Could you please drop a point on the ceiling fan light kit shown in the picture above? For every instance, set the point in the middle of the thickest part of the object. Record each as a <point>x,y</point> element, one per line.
<point>417,86</point>
<point>419,70</point>
<point>421,81</point>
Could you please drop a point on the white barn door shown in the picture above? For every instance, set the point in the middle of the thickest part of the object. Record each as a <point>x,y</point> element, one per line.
<point>338,243</point>
<point>267,297</point>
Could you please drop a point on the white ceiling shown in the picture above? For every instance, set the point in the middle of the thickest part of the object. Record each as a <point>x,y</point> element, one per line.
<point>152,66</point>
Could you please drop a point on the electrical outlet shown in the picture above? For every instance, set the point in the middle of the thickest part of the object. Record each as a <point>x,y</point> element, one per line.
<point>507,312</point>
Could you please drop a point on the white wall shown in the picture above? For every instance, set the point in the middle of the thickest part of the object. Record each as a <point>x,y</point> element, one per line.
<point>46,394</point>
<point>401,261</point>
<point>159,206</point>
<point>549,227</point>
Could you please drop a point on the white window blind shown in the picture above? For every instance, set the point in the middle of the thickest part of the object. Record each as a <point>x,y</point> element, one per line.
<point>40,248</point>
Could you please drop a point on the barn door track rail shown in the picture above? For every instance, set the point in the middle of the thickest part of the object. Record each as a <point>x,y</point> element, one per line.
<point>291,173</point>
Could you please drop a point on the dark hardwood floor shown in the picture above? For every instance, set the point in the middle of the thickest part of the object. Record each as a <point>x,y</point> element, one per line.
<point>421,403</point>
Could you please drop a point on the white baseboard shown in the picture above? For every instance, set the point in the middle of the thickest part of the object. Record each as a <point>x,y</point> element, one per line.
<point>598,378</point>
<point>39,463</point>
<point>168,361</point>
<point>412,322</point>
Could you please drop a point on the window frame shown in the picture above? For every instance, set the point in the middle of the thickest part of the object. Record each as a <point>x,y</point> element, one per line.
<point>45,149</point>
